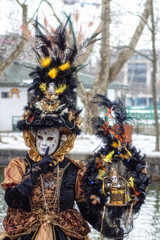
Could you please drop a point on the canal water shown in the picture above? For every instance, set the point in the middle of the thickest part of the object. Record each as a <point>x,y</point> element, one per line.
<point>146,226</point>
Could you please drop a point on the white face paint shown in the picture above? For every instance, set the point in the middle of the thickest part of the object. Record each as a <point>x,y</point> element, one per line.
<point>114,179</point>
<point>47,137</point>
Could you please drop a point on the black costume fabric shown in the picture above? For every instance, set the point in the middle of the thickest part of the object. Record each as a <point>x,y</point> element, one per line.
<point>121,199</point>
<point>68,186</point>
<point>53,100</point>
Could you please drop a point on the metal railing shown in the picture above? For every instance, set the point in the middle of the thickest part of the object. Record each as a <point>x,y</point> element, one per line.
<point>143,115</point>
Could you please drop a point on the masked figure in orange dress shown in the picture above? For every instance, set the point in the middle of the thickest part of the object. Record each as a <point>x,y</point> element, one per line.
<point>41,188</point>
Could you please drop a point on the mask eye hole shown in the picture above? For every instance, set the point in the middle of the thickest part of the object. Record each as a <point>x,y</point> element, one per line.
<point>40,137</point>
<point>50,138</point>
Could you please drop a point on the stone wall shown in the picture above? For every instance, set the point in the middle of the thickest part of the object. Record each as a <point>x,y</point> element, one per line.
<point>153,161</point>
<point>7,155</point>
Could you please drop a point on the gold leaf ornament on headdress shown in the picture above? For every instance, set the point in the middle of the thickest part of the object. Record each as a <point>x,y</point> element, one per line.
<point>65,66</point>
<point>53,73</point>
<point>60,89</point>
<point>43,86</point>
<point>45,61</point>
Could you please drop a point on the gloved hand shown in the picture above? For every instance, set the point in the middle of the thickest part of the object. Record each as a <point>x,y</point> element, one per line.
<point>46,164</point>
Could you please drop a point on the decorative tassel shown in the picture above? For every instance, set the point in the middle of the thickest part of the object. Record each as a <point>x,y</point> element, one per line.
<point>103,189</point>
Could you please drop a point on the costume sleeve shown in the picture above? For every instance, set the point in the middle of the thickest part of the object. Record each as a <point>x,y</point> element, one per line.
<point>13,175</point>
<point>92,213</point>
<point>80,196</point>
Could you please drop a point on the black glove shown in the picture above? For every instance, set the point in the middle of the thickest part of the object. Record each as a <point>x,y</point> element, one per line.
<point>44,166</point>
<point>17,197</point>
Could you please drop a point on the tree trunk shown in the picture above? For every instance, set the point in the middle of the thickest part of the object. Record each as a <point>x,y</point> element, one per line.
<point>154,79</point>
<point>20,46</point>
<point>107,74</point>
<point>99,84</point>
<point>127,53</point>
<point>91,109</point>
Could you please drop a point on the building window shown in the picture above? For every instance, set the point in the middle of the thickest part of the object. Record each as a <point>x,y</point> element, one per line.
<point>141,101</point>
<point>150,101</point>
<point>4,94</point>
<point>137,72</point>
<point>130,102</point>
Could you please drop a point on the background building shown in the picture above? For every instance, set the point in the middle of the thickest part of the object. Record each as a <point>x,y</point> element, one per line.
<point>133,84</point>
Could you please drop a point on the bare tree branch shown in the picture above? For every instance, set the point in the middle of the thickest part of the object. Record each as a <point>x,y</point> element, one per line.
<point>81,91</point>
<point>83,58</point>
<point>107,74</point>
<point>19,3</point>
<point>135,51</point>
<point>99,84</point>
<point>20,46</point>
<point>35,12</point>
<point>154,77</point>
<point>54,14</point>
<point>128,51</point>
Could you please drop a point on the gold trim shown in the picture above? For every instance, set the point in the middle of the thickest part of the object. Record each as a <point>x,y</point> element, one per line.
<point>59,154</point>
<point>59,187</point>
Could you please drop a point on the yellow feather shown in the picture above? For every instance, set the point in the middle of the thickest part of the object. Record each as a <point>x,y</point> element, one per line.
<point>45,61</point>
<point>116,144</point>
<point>53,73</point>
<point>60,89</point>
<point>101,174</point>
<point>129,153</point>
<point>65,66</point>
<point>130,182</point>
<point>108,157</point>
<point>42,86</point>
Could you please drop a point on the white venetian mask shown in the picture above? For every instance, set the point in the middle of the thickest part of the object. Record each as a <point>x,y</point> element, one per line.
<point>47,137</point>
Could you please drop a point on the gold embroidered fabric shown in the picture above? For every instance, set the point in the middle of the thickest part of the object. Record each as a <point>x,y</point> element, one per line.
<point>80,196</point>
<point>19,222</point>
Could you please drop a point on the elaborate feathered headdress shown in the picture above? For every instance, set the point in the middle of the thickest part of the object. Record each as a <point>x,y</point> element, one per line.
<point>125,197</point>
<point>53,102</point>
<point>112,136</point>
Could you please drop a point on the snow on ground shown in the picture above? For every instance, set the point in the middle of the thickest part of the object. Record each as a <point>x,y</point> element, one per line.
<point>83,144</point>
